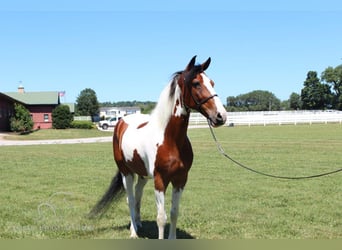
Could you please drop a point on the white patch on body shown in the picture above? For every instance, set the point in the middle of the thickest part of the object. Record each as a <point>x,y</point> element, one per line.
<point>146,139</point>
<point>180,110</point>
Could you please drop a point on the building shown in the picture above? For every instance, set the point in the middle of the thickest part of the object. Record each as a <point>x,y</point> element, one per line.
<point>6,111</point>
<point>118,111</point>
<point>39,104</point>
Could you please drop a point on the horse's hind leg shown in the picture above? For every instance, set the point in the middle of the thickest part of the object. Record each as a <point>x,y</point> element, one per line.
<point>139,188</point>
<point>128,183</point>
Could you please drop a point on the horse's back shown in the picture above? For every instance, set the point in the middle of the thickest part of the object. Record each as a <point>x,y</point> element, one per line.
<point>128,130</point>
<point>136,120</point>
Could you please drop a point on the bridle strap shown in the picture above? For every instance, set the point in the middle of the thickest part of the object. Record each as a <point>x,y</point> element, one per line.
<point>200,103</point>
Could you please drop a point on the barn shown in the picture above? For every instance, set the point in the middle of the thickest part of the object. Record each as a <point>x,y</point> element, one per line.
<point>39,104</point>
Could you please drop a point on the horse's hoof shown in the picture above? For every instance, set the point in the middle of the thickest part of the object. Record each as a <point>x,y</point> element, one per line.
<point>134,236</point>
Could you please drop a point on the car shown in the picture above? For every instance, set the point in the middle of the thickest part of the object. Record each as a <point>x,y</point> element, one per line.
<point>110,122</point>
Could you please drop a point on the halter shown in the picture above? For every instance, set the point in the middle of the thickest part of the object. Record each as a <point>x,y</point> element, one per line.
<point>201,102</point>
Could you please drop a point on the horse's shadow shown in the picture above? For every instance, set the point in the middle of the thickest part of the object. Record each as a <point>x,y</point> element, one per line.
<point>149,230</point>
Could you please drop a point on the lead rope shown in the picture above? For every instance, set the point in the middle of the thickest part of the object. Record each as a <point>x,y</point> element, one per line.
<point>222,151</point>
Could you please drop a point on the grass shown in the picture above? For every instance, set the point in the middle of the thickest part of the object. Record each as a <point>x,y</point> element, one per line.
<point>49,134</point>
<point>46,191</point>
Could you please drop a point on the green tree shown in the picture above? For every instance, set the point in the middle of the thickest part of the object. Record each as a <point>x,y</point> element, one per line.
<point>315,95</point>
<point>285,105</point>
<point>61,117</point>
<point>258,100</point>
<point>333,77</point>
<point>87,103</point>
<point>22,120</point>
<point>295,101</point>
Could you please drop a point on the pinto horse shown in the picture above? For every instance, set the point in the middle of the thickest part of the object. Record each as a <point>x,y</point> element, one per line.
<point>157,146</point>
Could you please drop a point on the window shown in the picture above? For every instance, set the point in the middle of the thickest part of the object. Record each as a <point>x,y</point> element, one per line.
<point>46,117</point>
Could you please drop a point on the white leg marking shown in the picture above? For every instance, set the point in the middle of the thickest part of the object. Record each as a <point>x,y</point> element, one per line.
<point>161,215</point>
<point>139,188</point>
<point>128,180</point>
<point>176,195</point>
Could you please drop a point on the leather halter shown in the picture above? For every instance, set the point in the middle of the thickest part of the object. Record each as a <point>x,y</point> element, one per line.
<point>198,103</point>
<point>201,102</point>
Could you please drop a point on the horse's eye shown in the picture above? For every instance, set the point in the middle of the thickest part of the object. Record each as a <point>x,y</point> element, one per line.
<point>196,85</point>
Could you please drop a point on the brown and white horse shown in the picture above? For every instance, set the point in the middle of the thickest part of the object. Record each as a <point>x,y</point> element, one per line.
<point>157,146</point>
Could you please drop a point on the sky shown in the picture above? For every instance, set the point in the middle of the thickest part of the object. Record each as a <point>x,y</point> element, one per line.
<point>128,51</point>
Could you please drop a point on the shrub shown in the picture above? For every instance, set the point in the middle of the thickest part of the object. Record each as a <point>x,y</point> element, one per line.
<point>22,120</point>
<point>61,117</point>
<point>82,124</point>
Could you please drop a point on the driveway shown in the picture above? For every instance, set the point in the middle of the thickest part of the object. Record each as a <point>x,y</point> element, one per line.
<point>4,142</point>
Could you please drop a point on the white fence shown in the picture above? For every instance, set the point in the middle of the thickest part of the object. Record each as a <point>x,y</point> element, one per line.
<point>82,118</point>
<point>274,118</point>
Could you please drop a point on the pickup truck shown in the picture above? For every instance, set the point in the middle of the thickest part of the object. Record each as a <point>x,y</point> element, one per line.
<point>110,122</point>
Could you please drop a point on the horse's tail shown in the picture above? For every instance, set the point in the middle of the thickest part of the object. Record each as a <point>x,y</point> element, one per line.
<point>114,192</point>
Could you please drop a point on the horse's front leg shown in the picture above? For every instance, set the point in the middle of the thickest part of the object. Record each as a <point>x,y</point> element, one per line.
<point>161,215</point>
<point>176,195</point>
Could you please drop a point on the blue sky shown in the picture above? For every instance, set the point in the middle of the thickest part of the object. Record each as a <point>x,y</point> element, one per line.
<point>128,51</point>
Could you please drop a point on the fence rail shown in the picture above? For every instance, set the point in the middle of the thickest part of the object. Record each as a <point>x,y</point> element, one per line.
<point>82,118</point>
<point>273,118</point>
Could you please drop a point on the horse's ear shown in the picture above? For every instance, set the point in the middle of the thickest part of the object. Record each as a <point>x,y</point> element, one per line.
<point>205,65</point>
<point>191,64</point>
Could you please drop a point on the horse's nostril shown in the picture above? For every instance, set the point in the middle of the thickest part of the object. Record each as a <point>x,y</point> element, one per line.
<point>219,117</point>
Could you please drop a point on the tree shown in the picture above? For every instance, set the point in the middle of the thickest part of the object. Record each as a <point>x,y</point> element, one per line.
<point>61,117</point>
<point>295,101</point>
<point>285,105</point>
<point>333,77</point>
<point>258,100</point>
<point>22,120</point>
<point>87,103</point>
<point>315,95</point>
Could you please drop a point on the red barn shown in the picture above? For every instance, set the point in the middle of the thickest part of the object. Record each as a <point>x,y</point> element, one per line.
<point>6,111</point>
<point>39,104</point>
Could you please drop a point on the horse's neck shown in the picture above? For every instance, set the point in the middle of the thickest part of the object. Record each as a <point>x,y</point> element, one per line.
<point>176,130</point>
<point>170,115</point>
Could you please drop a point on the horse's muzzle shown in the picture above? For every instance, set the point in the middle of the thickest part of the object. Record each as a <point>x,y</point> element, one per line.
<point>218,120</point>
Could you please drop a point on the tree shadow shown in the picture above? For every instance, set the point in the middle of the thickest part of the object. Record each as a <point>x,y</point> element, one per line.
<point>149,230</point>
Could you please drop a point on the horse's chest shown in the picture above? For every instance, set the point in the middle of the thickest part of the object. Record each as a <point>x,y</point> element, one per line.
<point>173,158</point>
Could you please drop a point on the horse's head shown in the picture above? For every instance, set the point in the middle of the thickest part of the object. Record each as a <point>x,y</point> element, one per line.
<point>199,94</point>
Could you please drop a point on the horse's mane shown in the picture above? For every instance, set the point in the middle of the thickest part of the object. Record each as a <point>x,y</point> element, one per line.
<point>174,82</point>
<point>162,111</point>
<point>189,75</point>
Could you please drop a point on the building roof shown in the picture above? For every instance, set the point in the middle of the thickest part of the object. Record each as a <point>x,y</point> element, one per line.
<point>36,98</point>
<point>8,98</point>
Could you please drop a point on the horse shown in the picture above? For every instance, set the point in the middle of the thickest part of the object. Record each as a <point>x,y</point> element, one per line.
<point>157,147</point>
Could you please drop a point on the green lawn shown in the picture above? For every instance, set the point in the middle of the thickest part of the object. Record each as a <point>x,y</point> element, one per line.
<point>47,134</point>
<point>46,191</point>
